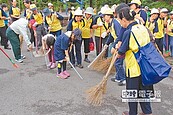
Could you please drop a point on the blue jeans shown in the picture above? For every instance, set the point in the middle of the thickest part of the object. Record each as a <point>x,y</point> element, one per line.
<point>171,44</point>
<point>120,72</point>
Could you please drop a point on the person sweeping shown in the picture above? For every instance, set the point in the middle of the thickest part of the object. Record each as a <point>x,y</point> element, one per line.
<point>19,27</point>
<point>62,47</point>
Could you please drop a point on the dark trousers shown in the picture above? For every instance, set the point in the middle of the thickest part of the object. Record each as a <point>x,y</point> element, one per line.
<point>100,42</point>
<point>41,31</point>
<point>15,42</point>
<point>77,50</point>
<point>86,45</point>
<point>159,43</point>
<point>136,84</point>
<point>4,40</point>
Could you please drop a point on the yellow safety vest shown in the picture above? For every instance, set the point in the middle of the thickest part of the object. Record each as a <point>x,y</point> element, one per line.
<point>2,24</point>
<point>38,18</point>
<point>160,33</point>
<point>54,23</point>
<point>150,26</point>
<point>100,29</point>
<point>16,11</point>
<point>28,13</point>
<point>79,25</point>
<point>86,30</point>
<point>170,26</point>
<point>142,36</point>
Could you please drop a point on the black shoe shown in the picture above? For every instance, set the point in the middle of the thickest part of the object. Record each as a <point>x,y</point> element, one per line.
<point>121,83</point>
<point>87,60</point>
<point>115,80</point>
<point>79,65</point>
<point>7,47</point>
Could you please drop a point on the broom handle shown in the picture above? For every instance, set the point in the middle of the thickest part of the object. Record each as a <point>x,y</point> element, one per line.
<point>114,58</point>
<point>5,53</point>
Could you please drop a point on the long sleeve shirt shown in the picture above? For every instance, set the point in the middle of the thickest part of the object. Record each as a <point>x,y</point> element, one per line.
<point>20,27</point>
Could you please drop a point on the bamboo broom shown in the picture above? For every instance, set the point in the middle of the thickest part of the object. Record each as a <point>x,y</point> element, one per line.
<point>101,64</point>
<point>95,94</point>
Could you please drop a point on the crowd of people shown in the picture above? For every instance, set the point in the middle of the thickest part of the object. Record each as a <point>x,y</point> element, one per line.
<point>111,28</point>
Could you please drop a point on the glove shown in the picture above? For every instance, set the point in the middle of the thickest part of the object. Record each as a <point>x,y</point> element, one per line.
<point>104,34</point>
<point>100,24</point>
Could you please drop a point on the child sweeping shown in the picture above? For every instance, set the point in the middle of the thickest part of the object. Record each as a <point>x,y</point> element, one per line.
<point>48,43</point>
<point>62,47</point>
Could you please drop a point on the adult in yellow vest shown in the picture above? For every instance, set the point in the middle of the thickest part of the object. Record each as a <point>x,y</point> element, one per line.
<point>53,20</point>
<point>76,22</point>
<point>87,31</point>
<point>40,30</point>
<point>141,15</point>
<point>4,40</point>
<point>101,29</point>
<point>14,11</point>
<point>133,72</point>
<point>151,22</point>
<point>160,34</point>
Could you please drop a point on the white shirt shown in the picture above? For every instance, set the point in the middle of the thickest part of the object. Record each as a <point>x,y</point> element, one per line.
<point>20,27</point>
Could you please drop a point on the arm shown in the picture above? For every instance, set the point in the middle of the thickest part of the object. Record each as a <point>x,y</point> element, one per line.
<point>60,17</point>
<point>69,27</point>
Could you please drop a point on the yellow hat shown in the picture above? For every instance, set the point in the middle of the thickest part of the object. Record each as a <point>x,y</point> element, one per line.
<point>138,2</point>
<point>33,7</point>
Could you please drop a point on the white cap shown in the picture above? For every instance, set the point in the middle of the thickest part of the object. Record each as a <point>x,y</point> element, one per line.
<point>103,10</point>
<point>163,10</point>
<point>171,12</point>
<point>68,33</point>
<point>113,7</point>
<point>50,4</point>
<point>154,11</point>
<point>89,10</point>
<point>72,8</point>
<point>78,13</point>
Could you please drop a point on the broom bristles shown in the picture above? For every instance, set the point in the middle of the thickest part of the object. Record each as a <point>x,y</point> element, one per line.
<point>101,64</point>
<point>95,94</point>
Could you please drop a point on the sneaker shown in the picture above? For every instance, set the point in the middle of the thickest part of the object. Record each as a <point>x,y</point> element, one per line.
<point>23,57</point>
<point>115,80</point>
<point>48,65</point>
<point>121,83</point>
<point>61,75</point>
<point>79,65</point>
<point>87,60</point>
<point>53,65</point>
<point>19,60</point>
<point>7,48</point>
<point>66,73</point>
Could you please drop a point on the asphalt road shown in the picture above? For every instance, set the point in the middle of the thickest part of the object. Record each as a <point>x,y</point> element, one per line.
<point>33,89</point>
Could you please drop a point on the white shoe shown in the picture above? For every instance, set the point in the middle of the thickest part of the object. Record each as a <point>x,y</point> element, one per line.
<point>19,60</point>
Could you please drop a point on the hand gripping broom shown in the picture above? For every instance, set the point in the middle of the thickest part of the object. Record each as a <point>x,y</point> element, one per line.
<point>14,65</point>
<point>95,94</point>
